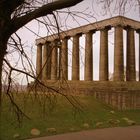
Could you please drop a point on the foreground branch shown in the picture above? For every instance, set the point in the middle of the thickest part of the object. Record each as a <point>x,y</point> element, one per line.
<point>72,101</point>
<point>42,11</point>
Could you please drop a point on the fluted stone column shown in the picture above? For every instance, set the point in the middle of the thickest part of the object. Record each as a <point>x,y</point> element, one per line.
<point>130,60</point>
<point>88,57</point>
<point>75,58</point>
<point>118,55</point>
<point>39,62</point>
<point>49,56</point>
<point>64,59</point>
<point>139,52</point>
<point>138,31</point>
<point>103,71</point>
<point>139,55</point>
<point>46,61</point>
<point>54,62</point>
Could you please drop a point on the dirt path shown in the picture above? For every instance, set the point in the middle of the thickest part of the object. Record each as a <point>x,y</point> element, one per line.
<point>117,133</point>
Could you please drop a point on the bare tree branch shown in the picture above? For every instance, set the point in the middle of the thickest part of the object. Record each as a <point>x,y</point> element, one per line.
<point>42,11</point>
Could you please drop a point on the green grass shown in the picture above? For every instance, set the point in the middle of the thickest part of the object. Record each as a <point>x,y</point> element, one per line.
<point>57,112</point>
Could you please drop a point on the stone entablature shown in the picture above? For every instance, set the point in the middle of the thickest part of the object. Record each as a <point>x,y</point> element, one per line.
<point>50,67</point>
<point>96,26</point>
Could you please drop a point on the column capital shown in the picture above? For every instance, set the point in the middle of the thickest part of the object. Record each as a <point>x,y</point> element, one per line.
<point>106,28</point>
<point>39,44</point>
<point>47,42</point>
<point>56,43</point>
<point>65,37</point>
<point>128,27</point>
<point>78,35</point>
<point>89,31</point>
<point>138,31</point>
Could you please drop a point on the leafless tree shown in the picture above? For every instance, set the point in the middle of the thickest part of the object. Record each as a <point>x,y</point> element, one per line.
<point>119,7</point>
<point>20,13</point>
<point>14,14</point>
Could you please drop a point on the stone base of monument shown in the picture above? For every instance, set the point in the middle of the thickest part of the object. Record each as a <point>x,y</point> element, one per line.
<point>120,95</point>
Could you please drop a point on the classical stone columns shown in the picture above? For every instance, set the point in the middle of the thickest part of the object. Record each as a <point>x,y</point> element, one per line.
<point>139,56</point>
<point>49,56</point>
<point>118,54</point>
<point>51,67</point>
<point>44,64</point>
<point>103,71</point>
<point>88,57</point>
<point>54,62</point>
<point>64,59</point>
<point>130,60</point>
<point>138,31</point>
<point>46,67</point>
<point>75,58</point>
<point>118,23</point>
<point>39,62</point>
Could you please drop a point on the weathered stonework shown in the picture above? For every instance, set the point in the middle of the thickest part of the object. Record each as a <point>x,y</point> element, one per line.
<point>88,57</point>
<point>118,54</point>
<point>119,95</point>
<point>39,62</point>
<point>75,58</point>
<point>119,20</point>
<point>103,73</point>
<point>130,63</point>
<point>59,68</point>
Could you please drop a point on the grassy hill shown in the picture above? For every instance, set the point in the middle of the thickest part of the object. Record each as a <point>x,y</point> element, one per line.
<point>54,114</point>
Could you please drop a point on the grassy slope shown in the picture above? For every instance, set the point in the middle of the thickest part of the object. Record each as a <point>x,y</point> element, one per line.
<point>57,112</point>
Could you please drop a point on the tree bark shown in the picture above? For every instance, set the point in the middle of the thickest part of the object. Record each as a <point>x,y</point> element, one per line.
<point>2,54</point>
<point>3,47</point>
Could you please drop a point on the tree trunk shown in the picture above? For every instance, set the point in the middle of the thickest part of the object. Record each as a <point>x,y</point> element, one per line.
<point>4,36</point>
<point>3,47</point>
<point>2,54</point>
